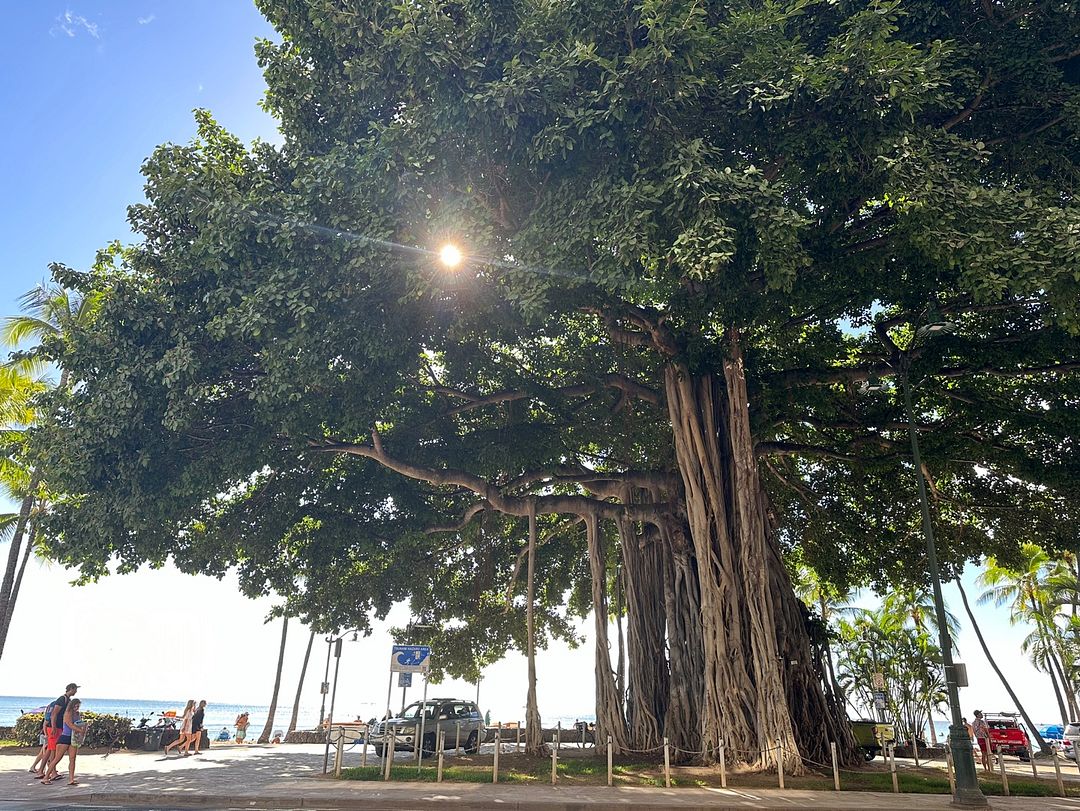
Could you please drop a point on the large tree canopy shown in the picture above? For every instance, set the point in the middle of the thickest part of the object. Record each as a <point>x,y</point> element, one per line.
<point>691,228</point>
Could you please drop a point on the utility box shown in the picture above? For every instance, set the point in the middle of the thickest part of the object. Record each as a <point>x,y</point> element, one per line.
<point>959,670</point>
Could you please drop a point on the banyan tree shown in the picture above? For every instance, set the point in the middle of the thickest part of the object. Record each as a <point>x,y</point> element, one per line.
<point>691,230</point>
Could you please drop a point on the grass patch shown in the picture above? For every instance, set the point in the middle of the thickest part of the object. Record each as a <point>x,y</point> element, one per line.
<point>4,742</point>
<point>588,771</point>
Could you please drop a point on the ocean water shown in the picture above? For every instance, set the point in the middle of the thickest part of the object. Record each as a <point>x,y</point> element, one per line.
<point>221,715</point>
<point>217,715</point>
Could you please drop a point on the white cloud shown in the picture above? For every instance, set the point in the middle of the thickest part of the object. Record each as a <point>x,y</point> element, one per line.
<point>70,23</point>
<point>146,20</point>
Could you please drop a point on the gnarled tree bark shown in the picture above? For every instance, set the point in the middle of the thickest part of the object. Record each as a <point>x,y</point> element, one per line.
<point>609,719</point>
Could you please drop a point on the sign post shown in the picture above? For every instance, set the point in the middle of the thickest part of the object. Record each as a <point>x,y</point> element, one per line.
<point>406,660</point>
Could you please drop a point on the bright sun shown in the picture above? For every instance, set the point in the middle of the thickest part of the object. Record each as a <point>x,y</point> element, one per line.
<point>450,255</point>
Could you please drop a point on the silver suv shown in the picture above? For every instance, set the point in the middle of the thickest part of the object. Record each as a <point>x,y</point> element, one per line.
<point>457,718</point>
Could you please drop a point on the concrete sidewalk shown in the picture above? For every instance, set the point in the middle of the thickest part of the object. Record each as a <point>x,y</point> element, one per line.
<point>289,777</point>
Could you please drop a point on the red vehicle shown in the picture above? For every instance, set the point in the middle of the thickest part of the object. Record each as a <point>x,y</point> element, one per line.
<point>1008,734</point>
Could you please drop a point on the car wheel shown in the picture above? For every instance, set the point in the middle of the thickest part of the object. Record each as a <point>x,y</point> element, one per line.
<point>869,754</point>
<point>381,750</point>
<point>472,745</point>
<point>428,748</point>
<point>1024,757</point>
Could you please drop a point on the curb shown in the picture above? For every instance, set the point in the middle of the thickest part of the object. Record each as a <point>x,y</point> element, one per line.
<point>447,800</point>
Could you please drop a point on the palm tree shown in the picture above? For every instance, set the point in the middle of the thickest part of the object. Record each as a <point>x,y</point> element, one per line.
<point>1001,676</point>
<point>18,386</point>
<point>1022,588</point>
<point>300,684</point>
<point>918,606</point>
<point>267,730</point>
<point>49,312</point>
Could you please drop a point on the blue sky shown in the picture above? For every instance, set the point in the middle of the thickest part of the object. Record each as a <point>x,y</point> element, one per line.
<point>97,85</point>
<point>90,89</point>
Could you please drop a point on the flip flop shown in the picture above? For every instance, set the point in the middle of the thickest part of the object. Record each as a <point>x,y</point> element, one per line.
<point>73,783</point>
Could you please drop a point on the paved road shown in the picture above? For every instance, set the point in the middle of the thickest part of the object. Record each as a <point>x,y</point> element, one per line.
<point>287,777</point>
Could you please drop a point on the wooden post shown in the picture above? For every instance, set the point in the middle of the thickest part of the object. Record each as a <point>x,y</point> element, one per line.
<point>915,749</point>
<point>554,764</point>
<point>363,755</point>
<point>388,755</point>
<point>457,739</point>
<point>609,760</point>
<point>1004,776</point>
<point>498,736</point>
<point>667,765</point>
<point>892,768</point>
<point>949,768</point>
<point>439,740</point>
<point>517,741</point>
<point>558,734</point>
<point>495,762</point>
<point>1031,760</point>
<point>723,765</point>
<point>583,725</point>
<point>339,752</point>
<point>1057,774</point>
<point>835,766</point>
<point>780,761</point>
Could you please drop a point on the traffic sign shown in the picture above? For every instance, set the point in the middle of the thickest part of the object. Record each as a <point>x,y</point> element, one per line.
<point>404,679</point>
<point>879,699</point>
<point>879,680</point>
<point>410,659</point>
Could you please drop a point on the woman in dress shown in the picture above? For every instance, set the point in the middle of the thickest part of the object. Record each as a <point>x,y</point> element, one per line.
<point>185,730</point>
<point>75,730</point>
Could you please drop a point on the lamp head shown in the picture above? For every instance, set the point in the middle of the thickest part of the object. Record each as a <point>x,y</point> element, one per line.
<point>935,324</point>
<point>873,383</point>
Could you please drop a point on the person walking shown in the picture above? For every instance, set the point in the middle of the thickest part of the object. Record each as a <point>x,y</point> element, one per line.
<point>185,730</point>
<point>197,726</point>
<point>982,737</point>
<point>75,732</point>
<point>54,730</point>
<point>241,725</point>
<point>42,759</point>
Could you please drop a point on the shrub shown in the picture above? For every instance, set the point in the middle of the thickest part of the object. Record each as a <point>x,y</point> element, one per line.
<point>27,728</point>
<point>105,730</point>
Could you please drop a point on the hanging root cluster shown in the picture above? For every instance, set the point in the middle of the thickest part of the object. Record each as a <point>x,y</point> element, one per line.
<point>718,646</point>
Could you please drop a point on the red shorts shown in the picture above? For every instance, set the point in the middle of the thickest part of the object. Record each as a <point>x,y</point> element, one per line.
<point>51,737</point>
<point>984,744</point>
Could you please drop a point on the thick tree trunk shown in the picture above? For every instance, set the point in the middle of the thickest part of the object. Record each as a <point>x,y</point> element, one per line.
<point>1001,676</point>
<point>643,575</point>
<point>682,606</point>
<point>727,696</point>
<point>762,690</point>
<point>609,720</point>
<point>300,685</point>
<point>744,702</point>
<point>268,729</point>
<point>7,586</point>
<point>534,733</point>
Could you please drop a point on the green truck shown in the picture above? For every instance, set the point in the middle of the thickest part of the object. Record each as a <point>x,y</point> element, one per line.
<point>872,736</point>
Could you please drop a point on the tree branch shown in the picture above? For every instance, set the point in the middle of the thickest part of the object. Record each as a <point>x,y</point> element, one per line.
<point>796,449</point>
<point>510,505</point>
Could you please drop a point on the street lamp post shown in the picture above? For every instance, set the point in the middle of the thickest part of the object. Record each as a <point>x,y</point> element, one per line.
<point>325,687</point>
<point>336,644</point>
<point>968,793</point>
